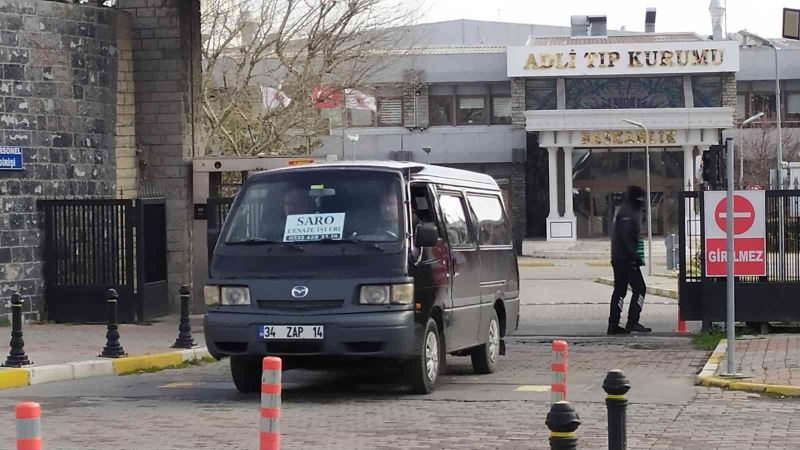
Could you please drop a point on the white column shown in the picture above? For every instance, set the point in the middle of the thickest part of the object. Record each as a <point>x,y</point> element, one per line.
<point>688,168</point>
<point>569,210</point>
<point>552,165</point>
<point>561,228</point>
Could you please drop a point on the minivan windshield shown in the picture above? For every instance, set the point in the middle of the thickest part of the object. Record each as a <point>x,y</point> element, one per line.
<point>318,206</point>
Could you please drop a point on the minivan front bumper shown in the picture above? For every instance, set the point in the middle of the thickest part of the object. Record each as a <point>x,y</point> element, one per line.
<point>385,334</point>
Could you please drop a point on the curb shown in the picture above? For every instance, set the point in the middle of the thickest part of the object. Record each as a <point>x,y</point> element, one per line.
<point>708,377</point>
<point>661,292</point>
<point>12,377</point>
<point>530,263</point>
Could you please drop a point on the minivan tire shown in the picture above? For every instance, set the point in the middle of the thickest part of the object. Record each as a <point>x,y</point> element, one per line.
<point>246,373</point>
<point>484,357</point>
<point>423,370</point>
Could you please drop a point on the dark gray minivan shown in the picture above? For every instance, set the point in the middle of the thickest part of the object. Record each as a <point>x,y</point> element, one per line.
<point>330,264</point>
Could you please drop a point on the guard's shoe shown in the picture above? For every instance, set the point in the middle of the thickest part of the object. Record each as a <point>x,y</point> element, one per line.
<point>616,329</point>
<point>637,328</point>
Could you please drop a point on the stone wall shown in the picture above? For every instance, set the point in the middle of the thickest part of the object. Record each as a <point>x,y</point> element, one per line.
<point>58,103</point>
<point>729,92</point>
<point>166,40</point>
<point>518,102</point>
<point>127,160</point>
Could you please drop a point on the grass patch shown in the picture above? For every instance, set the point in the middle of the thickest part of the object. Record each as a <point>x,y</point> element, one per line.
<point>708,341</point>
<point>183,365</point>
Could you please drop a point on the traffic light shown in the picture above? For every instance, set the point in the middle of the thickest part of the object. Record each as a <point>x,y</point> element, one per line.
<point>714,167</point>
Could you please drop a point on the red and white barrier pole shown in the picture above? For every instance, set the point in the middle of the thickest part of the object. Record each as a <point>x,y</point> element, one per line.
<point>29,426</point>
<point>270,403</point>
<point>558,388</point>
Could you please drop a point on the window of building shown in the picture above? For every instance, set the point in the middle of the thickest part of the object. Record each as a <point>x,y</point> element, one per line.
<point>741,106</point>
<point>441,110</point>
<point>540,94</point>
<point>361,117</point>
<point>763,103</point>
<point>390,112</point>
<point>793,103</point>
<point>707,91</point>
<point>492,224</point>
<point>619,93</point>
<point>471,110</point>
<point>334,115</point>
<point>455,220</point>
<point>501,110</point>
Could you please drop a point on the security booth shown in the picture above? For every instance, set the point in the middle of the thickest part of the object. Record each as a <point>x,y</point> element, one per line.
<point>766,256</point>
<point>215,181</point>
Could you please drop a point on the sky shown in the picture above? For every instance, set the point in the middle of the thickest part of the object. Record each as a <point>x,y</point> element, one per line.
<point>762,17</point>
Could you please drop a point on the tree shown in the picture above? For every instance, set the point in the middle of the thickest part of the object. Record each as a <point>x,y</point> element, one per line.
<point>760,145</point>
<point>264,59</point>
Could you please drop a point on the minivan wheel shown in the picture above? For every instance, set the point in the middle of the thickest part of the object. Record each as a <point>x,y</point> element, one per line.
<point>484,357</point>
<point>423,370</point>
<point>246,373</point>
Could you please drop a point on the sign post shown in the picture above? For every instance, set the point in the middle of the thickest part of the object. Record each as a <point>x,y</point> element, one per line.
<point>735,221</point>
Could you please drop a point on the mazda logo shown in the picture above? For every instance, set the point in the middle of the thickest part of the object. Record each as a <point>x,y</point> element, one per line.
<point>299,291</point>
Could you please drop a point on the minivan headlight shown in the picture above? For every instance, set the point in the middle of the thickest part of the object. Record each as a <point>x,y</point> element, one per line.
<point>211,295</point>
<point>383,294</point>
<point>236,296</point>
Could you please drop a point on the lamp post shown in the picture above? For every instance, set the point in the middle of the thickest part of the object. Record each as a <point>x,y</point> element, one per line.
<point>353,138</point>
<point>741,147</point>
<point>779,155</point>
<point>647,176</point>
<point>427,151</point>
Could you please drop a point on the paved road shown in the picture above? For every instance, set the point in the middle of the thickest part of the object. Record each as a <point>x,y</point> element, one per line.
<point>565,301</point>
<point>352,410</point>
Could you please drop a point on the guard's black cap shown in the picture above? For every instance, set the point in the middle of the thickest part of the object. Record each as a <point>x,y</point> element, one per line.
<point>636,195</point>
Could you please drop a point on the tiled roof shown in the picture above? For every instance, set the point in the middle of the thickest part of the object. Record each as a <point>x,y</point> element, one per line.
<point>452,50</point>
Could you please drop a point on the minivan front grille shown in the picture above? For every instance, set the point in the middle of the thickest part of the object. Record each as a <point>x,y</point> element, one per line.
<point>299,305</point>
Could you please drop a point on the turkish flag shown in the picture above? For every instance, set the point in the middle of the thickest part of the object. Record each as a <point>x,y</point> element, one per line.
<point>326,97</point>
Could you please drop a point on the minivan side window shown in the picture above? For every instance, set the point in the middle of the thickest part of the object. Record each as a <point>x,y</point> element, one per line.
<point>455,220</point>
<point>493,226</point>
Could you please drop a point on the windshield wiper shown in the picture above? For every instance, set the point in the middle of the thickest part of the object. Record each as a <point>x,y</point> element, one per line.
<point>351,240</point>
<point>263,241</point>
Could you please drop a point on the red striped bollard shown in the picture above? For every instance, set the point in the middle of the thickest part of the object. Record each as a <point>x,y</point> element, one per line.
<point>29,426</point>
<point>271,403</point>
<point>558,388</point>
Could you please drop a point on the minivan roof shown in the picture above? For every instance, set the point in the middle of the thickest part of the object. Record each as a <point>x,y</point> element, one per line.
<point>417,170</point>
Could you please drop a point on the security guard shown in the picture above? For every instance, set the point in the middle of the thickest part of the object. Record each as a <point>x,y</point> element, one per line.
<point>626,262</point>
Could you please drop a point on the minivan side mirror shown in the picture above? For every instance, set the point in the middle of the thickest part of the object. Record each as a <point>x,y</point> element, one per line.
<point>427,235</point>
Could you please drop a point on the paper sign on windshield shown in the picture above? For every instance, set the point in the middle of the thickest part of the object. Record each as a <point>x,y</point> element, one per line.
<point>313,227</point>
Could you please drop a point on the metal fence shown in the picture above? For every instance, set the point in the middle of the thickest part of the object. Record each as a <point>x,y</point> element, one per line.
<point>763,298</point>
<point>217,210</point>
<point>92,245</point>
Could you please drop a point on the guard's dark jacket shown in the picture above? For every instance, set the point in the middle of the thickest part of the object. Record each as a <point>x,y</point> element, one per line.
<point>625,234</point>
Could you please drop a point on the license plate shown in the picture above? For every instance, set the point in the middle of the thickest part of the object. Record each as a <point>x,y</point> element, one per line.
<point>304,332</point>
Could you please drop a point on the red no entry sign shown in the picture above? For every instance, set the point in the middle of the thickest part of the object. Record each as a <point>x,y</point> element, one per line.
<point>749,230</point>
<point>744,215</point>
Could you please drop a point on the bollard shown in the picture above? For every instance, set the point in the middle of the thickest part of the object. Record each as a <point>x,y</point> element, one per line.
<point>681,323</point>
<point>563,422</point>
<point>17,356</point>
<point>29,426</point>
<point>185,339</point>
<point>271,403</point>
<point>617,386</point>
<point>558,387</point>
<point>113,349</point>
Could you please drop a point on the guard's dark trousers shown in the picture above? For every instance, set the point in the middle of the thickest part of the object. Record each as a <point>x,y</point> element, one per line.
<point>626,273</point>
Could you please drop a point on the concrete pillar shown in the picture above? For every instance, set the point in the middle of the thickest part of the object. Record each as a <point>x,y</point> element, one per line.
<point>560,228</point>
<point>688,167</point>
<point>569,210</point>
<point>552,166</point>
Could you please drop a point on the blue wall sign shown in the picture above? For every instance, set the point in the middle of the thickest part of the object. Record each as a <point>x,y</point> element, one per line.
<point>11,158</point>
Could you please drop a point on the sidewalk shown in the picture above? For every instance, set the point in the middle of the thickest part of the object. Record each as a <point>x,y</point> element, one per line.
<point>769,364</point>
<point>662,283</point>
<point>63,351</point>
